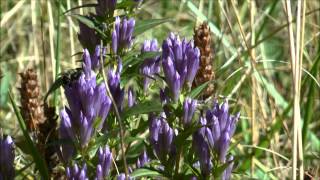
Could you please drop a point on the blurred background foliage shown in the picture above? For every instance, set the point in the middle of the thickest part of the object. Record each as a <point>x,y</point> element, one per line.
<point>36,32</point>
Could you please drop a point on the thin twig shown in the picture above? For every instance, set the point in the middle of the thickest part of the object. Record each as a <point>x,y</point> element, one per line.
<point>117,113</point>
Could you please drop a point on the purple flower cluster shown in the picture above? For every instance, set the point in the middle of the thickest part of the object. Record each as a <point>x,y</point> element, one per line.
<point>77,173</point>
<point>189,107</point>
<point>122,176</point>
<point>104,164</point>
<point>218,126</point>
<point>87,101</point>
<point>94,58</point>
<point>161,137</point>
<point>180,61</point>
<point>142,159</point>
<point>150,66</point>
<point>105,7</point>
<point>122,34</point>
<point>6,158</point>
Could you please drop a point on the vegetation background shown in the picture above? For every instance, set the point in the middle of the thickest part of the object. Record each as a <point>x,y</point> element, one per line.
<point>253,66</point>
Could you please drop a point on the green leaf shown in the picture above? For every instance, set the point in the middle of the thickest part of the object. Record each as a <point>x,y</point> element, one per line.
<point>78,7</point>
<point>142,108</point>
<point>182,137</point>
<point>99,142</point>
<point>195,92</point>
<point>59,82</point>
<point>85,20</point>
<point>133,60</point>
<point>220,169</point>
<point>39,161</point>
<point>144,25</point>
<point>97,122</point>
<point>125,4</point>
<point>144,172</point>
<point>88,22</point>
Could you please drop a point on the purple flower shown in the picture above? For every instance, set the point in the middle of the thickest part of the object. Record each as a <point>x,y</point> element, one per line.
<point>106,7</point>
<point>114,85</point>
<point>88,37</point>
<point>131,97</point>
<point>180,61</point>
<point>104,163</point>
<point>76,173</point>
<point>150,66</point>
<point>227,173</point>
<point>189,107</point>
<point>122,176</point>
<point>95,57</point>
<point>161,137</point>
<point>202,149</point>
<point>222,125</point>
<point>6,158</point>
<point>87,102</point>
<point>142,159</point>
<point>218,126</point>
<point>122,34</point>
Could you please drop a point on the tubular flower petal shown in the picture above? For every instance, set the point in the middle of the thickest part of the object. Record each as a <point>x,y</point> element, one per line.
<point>150,66</point>
<point>142,159</point>
<point>189,107</point>
<point>6,158</point>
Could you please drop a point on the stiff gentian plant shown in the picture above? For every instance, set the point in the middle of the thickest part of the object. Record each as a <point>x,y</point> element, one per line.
<point>116,141</point>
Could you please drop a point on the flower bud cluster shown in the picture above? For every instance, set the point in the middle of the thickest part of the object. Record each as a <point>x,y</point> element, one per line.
<point>161,137</point>
<point>104,163</point>
<point>218,126</point>
<point>77,172</point>
<point>122,34</point>
<point>180,61</point>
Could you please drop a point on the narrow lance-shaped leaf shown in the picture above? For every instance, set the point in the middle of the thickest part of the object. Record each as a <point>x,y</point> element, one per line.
<point>144,25</point>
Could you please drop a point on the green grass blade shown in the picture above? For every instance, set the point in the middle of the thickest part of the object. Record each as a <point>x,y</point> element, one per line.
<point>39,161</point>
<point>310,100</point>
<point>57,53</point>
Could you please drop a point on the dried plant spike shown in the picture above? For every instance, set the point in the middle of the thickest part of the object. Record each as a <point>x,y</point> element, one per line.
<point>202,40</point>
<point>31,109</point>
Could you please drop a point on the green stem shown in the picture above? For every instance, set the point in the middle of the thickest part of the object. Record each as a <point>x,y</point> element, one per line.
<point>57,53</point>
<point>117,114</point>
